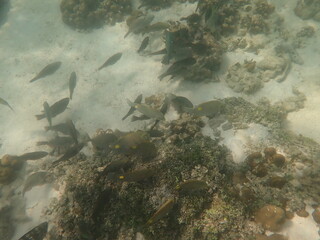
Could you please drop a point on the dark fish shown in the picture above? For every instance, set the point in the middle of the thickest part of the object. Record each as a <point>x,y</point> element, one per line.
<point>47,113</point>
<point>35,179</point>
<point>4,102</point>
<point>71,152</point>
<point>37,233</point>
<point>131,141</point>
<point>61,127</point>
<point>56,108</point>
<point>160,52</point>
<point>144,44</point>
<point>72,83</point>
<point>208,109</point>
<point>111,60</point>
<point>137,175</point>
<point>132,109</point>
<point>147,110</point>
<point>192,185</point>
<point>138,24</point>
<point>178,67</point>
<point>179,102</point>
<point>103,141</point>
<point>47,70</point>
<point>72,130</point>
<point>162,211</point>
<point>33,155</point>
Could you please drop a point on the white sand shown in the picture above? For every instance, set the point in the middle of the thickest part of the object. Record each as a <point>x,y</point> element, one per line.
<point>34,35</point>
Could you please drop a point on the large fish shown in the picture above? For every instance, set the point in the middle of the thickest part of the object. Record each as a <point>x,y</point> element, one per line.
<point>37,233</point>
<point>72,83</point>
<point>111,60</point>
<point>4,102</point>
<point>138,24</point>
<point>132,109</point>
<point>47,70</point>
<point>147,110</point>
<point>56,108</point>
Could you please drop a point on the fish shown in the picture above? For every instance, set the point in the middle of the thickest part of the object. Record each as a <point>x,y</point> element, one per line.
<point>111,60</point>
<point>72,131</point>
<point>61,127</point>
<point>72,83</point>
<point>158,26</point>
<point>136,175</point>
<point>208,109</point>
<point>169,38</point>
<point>146,150</point>
<point>47,70</point>
<point>103,141</point>
<point>131,141</point>
<point>57,142</point>
<point>35,179</point>
<point>162,51</point>
<point>178,102</point>
<point>4,102</point>
<point>192,185</point>
<point>147,110</point>
<point>33,155</point>
<point>144,44</point>
<point>37,233</point>
<point>177,67</point>
<point>71,152</point>
<point>138,24</point>
<point>47,112</point>
<point>132,109</point>
<point>139,118</point>
<point>163,210</point>
<point>56,108</point>
<point>116,165</point>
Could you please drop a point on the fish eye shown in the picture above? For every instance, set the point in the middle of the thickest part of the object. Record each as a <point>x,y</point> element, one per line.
<point>121,177</point>
<point>117,146</point>
<point>199,108</point>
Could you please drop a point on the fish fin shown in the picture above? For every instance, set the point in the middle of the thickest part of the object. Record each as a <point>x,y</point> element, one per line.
<point>131,104</point>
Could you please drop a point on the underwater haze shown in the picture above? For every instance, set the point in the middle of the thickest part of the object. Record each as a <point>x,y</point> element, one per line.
<point>159,119</point>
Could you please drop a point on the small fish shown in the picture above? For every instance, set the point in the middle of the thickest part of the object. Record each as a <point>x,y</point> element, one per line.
<point>37,233</point>
<point>35,179</point>
<point>56,108</point>
<point>178,67</point>
<point>208,109</point>
<point>47,70</point>
<point>163,210</point>
<point>71,152</point>
<point>72,131</point>
<point>61,127</point>
<point>111,60</point>
<point>72,83</point>
<point>33,155</point>
<point>144,44</point>
<point>136,175</point>
<point>192,185</point>
<point>147,110</point>
<point>179,102</point>
<point>47,113</point>
<point>116,165</point>
<point>4,102</point>
<point>138,24</point>
<point>132,109</point>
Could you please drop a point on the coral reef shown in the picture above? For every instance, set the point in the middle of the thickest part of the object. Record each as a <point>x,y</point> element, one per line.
<point>85,14</point>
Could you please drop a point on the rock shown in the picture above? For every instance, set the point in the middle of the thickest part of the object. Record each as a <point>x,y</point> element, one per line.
<point>316,215</point>
<point>271,217</point>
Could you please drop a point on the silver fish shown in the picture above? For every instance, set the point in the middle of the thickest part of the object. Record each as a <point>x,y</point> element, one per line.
<point>144,44</point>
<point>139,24</point>
<point>111,60</point>
<point>132,109</point>
<point>37,233</point>
<point>47,113</point>
<point>4,102</point>
<point>146,110</point>
<point>72,83</point>
<point>47,70</point>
